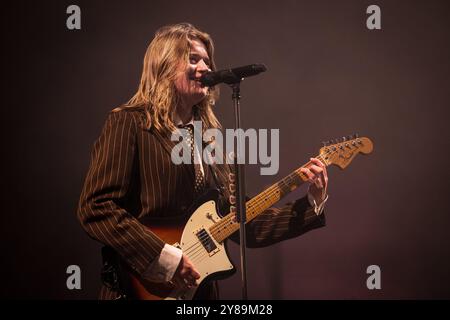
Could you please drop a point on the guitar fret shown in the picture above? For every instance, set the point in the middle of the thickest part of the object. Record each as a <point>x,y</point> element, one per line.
<point>226,227</point>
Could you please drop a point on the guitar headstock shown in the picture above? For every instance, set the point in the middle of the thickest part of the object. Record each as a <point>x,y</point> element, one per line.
<point>341,152</point>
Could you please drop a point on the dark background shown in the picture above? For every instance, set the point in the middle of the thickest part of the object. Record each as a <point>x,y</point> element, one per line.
<point>328,76</point>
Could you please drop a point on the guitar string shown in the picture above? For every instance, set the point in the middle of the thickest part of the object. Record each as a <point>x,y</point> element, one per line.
<point>256,202</point>
<point>193,246</point>
<point>196,258</point>
<point>260,199</point>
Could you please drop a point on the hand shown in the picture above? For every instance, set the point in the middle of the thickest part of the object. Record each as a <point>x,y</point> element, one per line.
<point>186,275</point>
<point>317,175</point>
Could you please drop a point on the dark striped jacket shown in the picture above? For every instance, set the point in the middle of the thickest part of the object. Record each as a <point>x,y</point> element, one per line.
<point>132,180</point>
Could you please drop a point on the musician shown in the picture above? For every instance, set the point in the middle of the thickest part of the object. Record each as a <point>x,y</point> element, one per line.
<point>132,183</point>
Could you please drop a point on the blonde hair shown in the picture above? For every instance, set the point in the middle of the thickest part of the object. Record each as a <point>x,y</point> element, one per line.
<point>157,93</point>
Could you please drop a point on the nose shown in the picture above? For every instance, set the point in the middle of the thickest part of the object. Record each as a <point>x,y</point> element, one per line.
<point>202,67</point>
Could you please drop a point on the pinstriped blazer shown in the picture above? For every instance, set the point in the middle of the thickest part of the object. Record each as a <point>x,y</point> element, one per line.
<point>131,181</point>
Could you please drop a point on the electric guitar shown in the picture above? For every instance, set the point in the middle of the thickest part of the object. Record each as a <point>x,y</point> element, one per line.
<point>202,238</point>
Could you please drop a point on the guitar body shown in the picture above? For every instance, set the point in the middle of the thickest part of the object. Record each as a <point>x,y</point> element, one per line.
<point>209,257</point>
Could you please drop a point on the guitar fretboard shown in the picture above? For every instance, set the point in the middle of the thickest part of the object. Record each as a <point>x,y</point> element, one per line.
<point>224,228</point>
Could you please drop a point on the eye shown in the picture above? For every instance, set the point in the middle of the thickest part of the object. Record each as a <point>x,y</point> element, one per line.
<point>193,59</point>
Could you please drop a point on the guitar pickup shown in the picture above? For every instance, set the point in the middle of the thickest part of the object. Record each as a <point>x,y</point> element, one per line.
<point>207,242</point>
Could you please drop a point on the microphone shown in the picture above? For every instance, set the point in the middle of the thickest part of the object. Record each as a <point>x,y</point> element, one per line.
<point>230,76</point>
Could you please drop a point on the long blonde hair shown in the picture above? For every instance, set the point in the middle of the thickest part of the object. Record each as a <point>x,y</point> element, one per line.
<point>157,93</point>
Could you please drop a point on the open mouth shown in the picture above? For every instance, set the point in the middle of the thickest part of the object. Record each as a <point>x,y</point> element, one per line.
<point>199,83</point>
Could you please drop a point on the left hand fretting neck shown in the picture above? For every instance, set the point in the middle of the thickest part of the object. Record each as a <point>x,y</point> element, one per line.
<point>258,204</point>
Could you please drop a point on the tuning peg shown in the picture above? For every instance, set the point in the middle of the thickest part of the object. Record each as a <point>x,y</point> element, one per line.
<point>324,143</point>
<point>344,139</point>
<point>356,135</point>
<point>350,137</point>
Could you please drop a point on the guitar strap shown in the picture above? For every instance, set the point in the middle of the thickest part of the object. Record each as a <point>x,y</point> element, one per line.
<point>219,186</point>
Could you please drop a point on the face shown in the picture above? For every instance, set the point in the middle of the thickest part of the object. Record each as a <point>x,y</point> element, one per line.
<point>187,82</point>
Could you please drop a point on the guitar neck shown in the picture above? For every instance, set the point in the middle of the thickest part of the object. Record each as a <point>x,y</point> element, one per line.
<point>224,228</point>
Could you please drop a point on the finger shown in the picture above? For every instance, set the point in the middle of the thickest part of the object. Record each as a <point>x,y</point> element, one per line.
<point>189,282</point>
<point>190,269</point>
<point>195,274</point>
<point>178,282</point>
<point>318,183</point>
<point>316,170</point>
<point>192,281</point>
<point>324,168</point>
<point>183,282</point>
<point>189,274</point>
<point>184,272</point>
<point>319,176</point>
<point>317,162</point>
<point>309,175</point>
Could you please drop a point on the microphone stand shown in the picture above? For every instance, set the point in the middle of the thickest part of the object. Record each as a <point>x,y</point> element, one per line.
<point>241,214</point>
<point>233,77</point>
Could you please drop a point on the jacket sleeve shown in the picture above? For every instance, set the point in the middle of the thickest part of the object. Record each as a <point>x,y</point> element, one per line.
<point>106,188</point>
<point>278,224</point>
